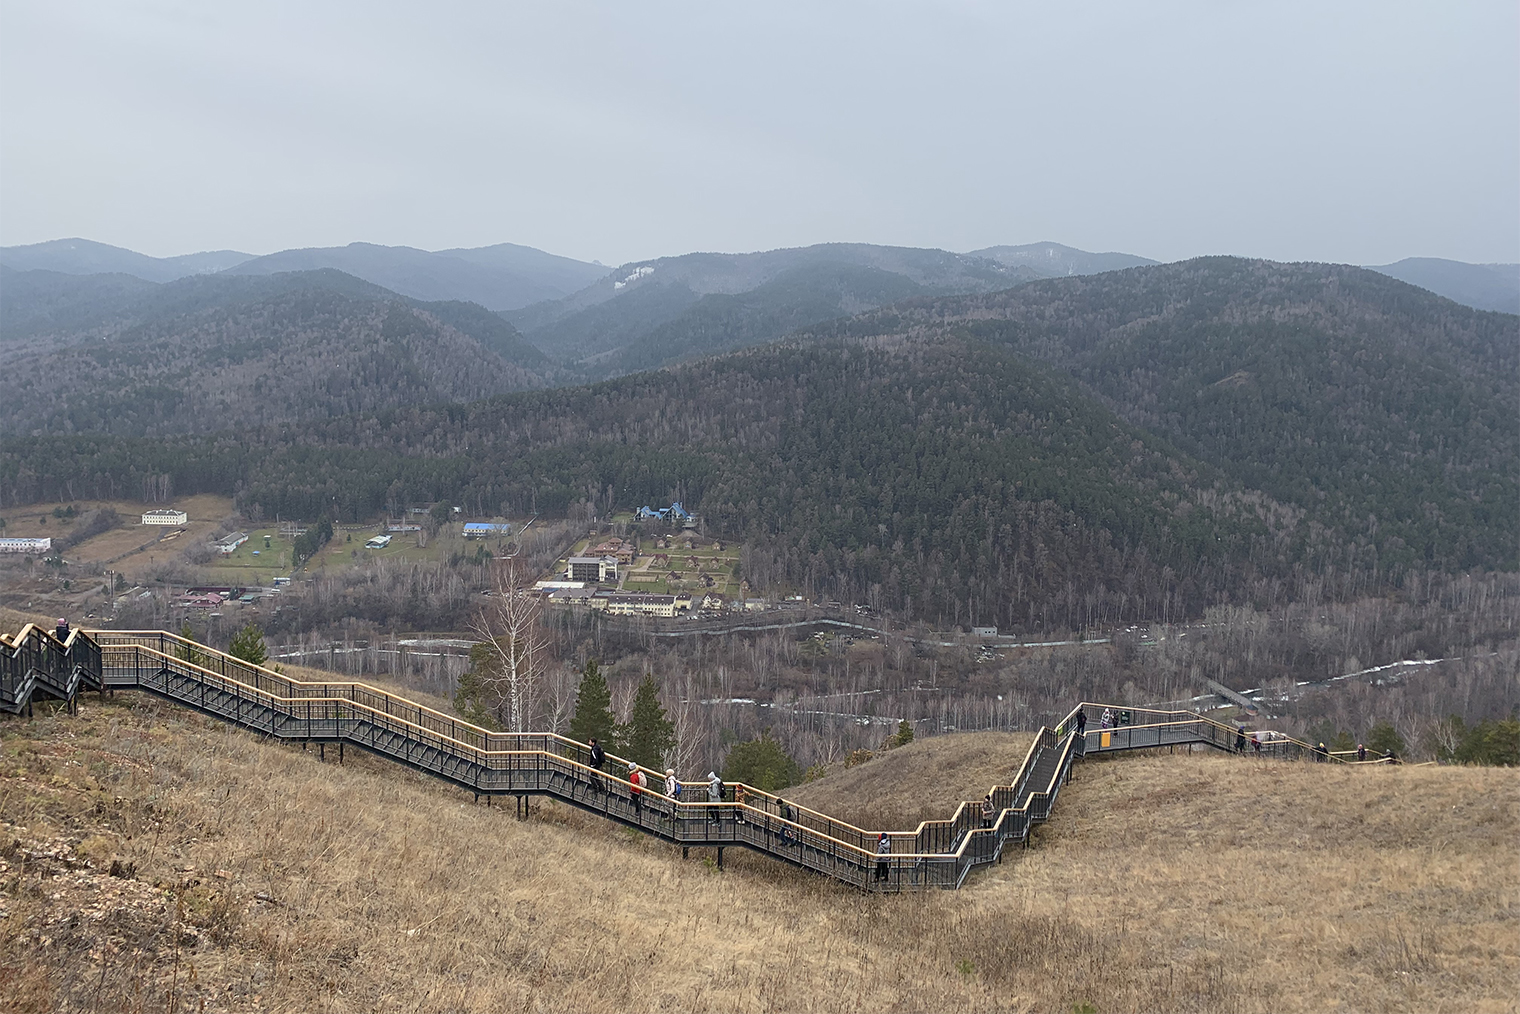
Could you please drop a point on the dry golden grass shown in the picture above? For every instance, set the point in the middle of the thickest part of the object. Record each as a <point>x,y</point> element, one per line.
<point>925,780</point>
<point>1164,883</point>
<point>12,620</point>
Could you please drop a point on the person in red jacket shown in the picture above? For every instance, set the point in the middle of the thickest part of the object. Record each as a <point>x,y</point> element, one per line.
<point>636,779</point>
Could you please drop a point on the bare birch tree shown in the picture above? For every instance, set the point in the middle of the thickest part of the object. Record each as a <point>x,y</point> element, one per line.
<point>511,630</point>
<point>685,712</point>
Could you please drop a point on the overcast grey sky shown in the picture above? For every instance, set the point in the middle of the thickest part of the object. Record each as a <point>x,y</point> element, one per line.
<point>1360,132</point>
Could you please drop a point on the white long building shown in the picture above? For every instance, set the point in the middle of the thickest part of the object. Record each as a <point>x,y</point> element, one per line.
<point>165,516</point>
<point>25,545</point>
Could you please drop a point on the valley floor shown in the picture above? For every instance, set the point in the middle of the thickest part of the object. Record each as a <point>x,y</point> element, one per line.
<point>253,876</point>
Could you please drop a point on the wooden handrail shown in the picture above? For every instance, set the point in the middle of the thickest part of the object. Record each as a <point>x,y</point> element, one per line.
<point>290,706</point>
<point>440,735</point>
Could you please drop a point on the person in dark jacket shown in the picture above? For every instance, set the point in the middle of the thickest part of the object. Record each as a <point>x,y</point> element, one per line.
<point>987,810</point>
<point>598,758</point>
<point>1240,739</point>
<point>1361,752</point>
<point>784,810</point>
<point>62,631</point>
<point>1082,722</point>
<point>1321,752</point>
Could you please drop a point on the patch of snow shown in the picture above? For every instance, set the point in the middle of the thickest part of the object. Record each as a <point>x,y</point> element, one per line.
<point>643,272</point>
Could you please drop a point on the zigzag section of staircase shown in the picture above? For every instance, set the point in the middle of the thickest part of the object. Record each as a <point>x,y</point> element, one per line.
<point>35,664</point>
<point>937,853</point>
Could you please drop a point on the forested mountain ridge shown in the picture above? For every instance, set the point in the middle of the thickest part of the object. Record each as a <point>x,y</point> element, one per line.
<point>1145,442</point>
<point>1373,405</point>
<point>649,313</point>
<point>215,352</point>
<point>941,478</point>
<point>41,301</point>
<point>791,301</point>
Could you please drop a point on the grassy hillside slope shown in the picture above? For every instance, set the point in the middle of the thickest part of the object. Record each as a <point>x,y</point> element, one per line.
<point>263,879</point>
<point>925,780</point>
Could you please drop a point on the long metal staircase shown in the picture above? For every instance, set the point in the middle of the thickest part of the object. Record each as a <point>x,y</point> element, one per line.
<point>938,853</point>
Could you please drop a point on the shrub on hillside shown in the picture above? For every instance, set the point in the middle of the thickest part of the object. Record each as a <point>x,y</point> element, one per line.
<point>858,757</point>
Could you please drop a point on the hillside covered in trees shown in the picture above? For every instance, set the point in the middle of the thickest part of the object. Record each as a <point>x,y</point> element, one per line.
<point>1159,438</point>
<point>1375,409</point>
<point>115,354</point>
<point>652,313</point>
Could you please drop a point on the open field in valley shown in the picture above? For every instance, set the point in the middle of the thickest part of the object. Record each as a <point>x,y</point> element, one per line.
<point>133,547</point>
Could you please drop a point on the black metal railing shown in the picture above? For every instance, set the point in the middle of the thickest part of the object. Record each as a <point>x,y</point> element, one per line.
<point>36,663</point>
<point>938,853</point>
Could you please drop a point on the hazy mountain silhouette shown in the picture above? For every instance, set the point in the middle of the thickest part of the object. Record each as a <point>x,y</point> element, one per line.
<point>86,257</point>
<point>783,290</point>
<point>501,277</point>
<point>1483,286</point>
<point>1052,260</point>
<point>33,302</point>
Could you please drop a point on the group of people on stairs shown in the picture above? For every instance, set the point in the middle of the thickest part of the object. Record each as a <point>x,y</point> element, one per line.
<point>639,784</point>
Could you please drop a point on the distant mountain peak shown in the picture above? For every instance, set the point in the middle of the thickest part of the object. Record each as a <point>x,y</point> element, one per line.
<point>1053,260</point>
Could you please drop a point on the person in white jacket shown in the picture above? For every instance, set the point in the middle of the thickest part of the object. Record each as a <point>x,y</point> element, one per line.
<point>714,795</point>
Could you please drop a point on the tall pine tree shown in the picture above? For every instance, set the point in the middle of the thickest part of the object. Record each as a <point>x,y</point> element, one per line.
<point>649,735</point>
<point>593,709</point>
<point>478,698</point>
<point>248,645</point>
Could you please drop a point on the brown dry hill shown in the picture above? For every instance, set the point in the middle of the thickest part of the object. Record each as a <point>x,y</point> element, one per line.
<point>12,620</point>
<point>925,780</point>
<point>254,877</point>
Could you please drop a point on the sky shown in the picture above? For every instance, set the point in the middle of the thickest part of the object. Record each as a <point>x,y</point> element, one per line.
<point>1346,131</point>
